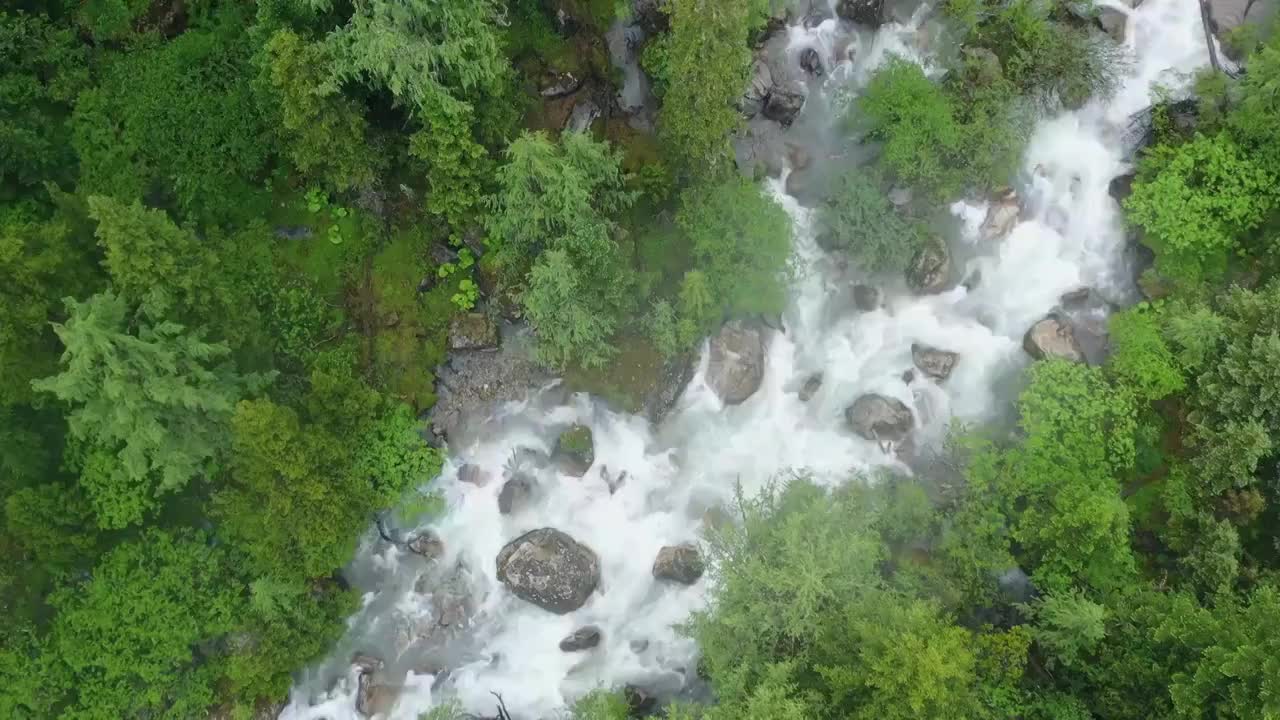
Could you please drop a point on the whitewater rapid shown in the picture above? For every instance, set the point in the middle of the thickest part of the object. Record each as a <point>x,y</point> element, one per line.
<point>681,475</point>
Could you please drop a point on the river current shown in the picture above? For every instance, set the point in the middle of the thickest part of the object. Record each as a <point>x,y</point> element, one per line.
<point>466,637</point>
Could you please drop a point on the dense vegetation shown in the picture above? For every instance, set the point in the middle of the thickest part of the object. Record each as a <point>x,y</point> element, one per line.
<point>233,237</point>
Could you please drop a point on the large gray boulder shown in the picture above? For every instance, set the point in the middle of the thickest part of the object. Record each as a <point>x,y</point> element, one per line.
<point>517,493</point>
<point>1228,15</point>
<point>930,269</point>
<point>550,569</point>
<point>876,417</point>
<point>933,362</point>
<point>736,366</point>
<point>679,563</point>
<point>1053,337</point>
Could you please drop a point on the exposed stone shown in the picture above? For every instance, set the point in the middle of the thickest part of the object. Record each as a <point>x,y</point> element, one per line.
<point>811,62</point>
<point>676,373</point>
<point>782,106</point>
<point>584,638</point>
<point>550,569</point>
<point>679,563</point>
<point>575,450</point>
<point>584,112</point>
<point>1227,15</point>
<point>866,298</point>
<point>758,89</point>
<point>473,475</point>
<point>736,366</point>
<point>1077,297</point>
<point>811,386</point>
<point>877,417</point>
<point>516,494</point>
<point>472,331</point>
<point>930,268</point>
<point>933,362</point>
<point>556,85</point>
<point>1002,216</point>
<point>1113,22</point>
<point>451,605</point>
<point>366,662</point>
<point>470,383</point>
<point>1052,337</point>
<point>863,12</point>
<point>1121,186</point>
<point>427,544</point>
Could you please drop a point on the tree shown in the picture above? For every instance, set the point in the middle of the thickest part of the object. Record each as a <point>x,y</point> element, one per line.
<point>1068,626</point>
<point>151,406</point>
<point>1141,358</point>
<point>456,167</point>
<point>552,227</point>
<point>707,62</point>
<point>860,220</point>
<point>323,130</point>
<point>128,635</point>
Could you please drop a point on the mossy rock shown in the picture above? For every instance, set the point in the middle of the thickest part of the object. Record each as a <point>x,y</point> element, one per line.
<point>575,450</point>
<point>634,374</point>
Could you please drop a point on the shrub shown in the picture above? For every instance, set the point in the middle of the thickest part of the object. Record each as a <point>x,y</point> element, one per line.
<point>860,220</point>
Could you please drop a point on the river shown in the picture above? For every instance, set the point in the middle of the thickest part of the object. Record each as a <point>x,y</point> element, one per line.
<point>466,637</point>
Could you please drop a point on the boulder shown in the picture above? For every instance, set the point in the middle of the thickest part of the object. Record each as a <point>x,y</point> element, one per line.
<point>557,85</point>
<point>933,362</point>
<point>1002,216</point>
<point>811,62</point>
<point>736,366</point>
<point>575,450</point>
<point>866,298</point>
<point>1052,337</point>
<point>679,563</point>
<point>550,569</point>
<point>811,386</point>
<point>863,12</point>
<point>584,638</point>
<point>782,106</point>
<point>473,475</point>
<point>427,544</point>
<point>516,494</point>
<point>758,89</point>
<point>877,417</point>
<point>1227,15</point>
<point>930,268</point>
<point>651,16</point>
<point>1121,186</point>
<point>473,331</point>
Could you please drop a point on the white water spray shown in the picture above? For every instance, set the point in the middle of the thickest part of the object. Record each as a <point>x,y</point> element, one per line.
<point>1069,237</point>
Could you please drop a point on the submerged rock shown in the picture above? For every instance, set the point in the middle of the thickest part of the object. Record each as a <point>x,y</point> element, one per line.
<point>472,331</point>
<point>1052,337</point>
<point>933,362</point>
<point>863,12</point>
<point>811,62</point>
<point>930,268</point>
<point>876,417</point>
<point>866,298</point>
<point>1121,186</point>
<point>550,569</point>
<point>1002,216</point>
<point>782,106</point>
<point>679,563</point>
<point>575,450</point>
<point>812,384</point>
<point>736,366</point>
<point>473,475</point>
<point>584,638</point>
<point>427,544</point>
<point>516,494</point>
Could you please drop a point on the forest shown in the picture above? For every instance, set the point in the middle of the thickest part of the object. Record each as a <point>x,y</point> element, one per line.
<point>237,237</point>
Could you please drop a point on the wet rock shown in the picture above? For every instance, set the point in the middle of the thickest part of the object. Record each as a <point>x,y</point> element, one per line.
<point>811,62</point>
<point>908,377</point>
<point>473,331</point>
<point>1002,216</point>
<point>1121,186</point>
<point>473,475</point>
<point>293,232</point>
<point>640,702</point>
<point>782,106</point>
<point>613,483</point>
<point>877,417</point>
<point>651,16</point>
<point>1052,337</point>
<point>758,89</point>
<point>679,563</point>
<point>1227,15</point>
<point>1113,22</point>
<point>367,663</point>
<point>1076,298</point>
<point>863,12</point>
<point>736,366</point>
<point>584,638</point>
<point>811,386</point>
<point>575,450</point>
<point>676,374</point>
<point>556,85</point>
<point>972,280</point>
<point>550,569</point>
<point>930,268</point>
<point>450,600</point>
<point>427,544</point>
<point>516,494</point>
<point>933,362</point>
<point>639,645</point>
<point>585,112</point>
<point>470,383</point>
<point>866,298</point>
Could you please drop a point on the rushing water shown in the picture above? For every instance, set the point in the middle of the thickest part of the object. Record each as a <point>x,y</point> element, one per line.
<point>677,475</point>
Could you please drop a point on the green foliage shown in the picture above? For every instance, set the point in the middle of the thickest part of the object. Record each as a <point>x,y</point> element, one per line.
<point>128,635</point>
<point>706,61</point>
<point>862,222</point>
<point>177,120</point>
<point>325,132</point>
<point>54,523</point>
<point>600,705</point>
<point>151,406</point>
<point>1068,626</point>
<point>552,226</point>
<point>1141,358</point>
<point>456,168</point>
<point>1196,200</point>
<point>111,19</point>
<point>42,70</point>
